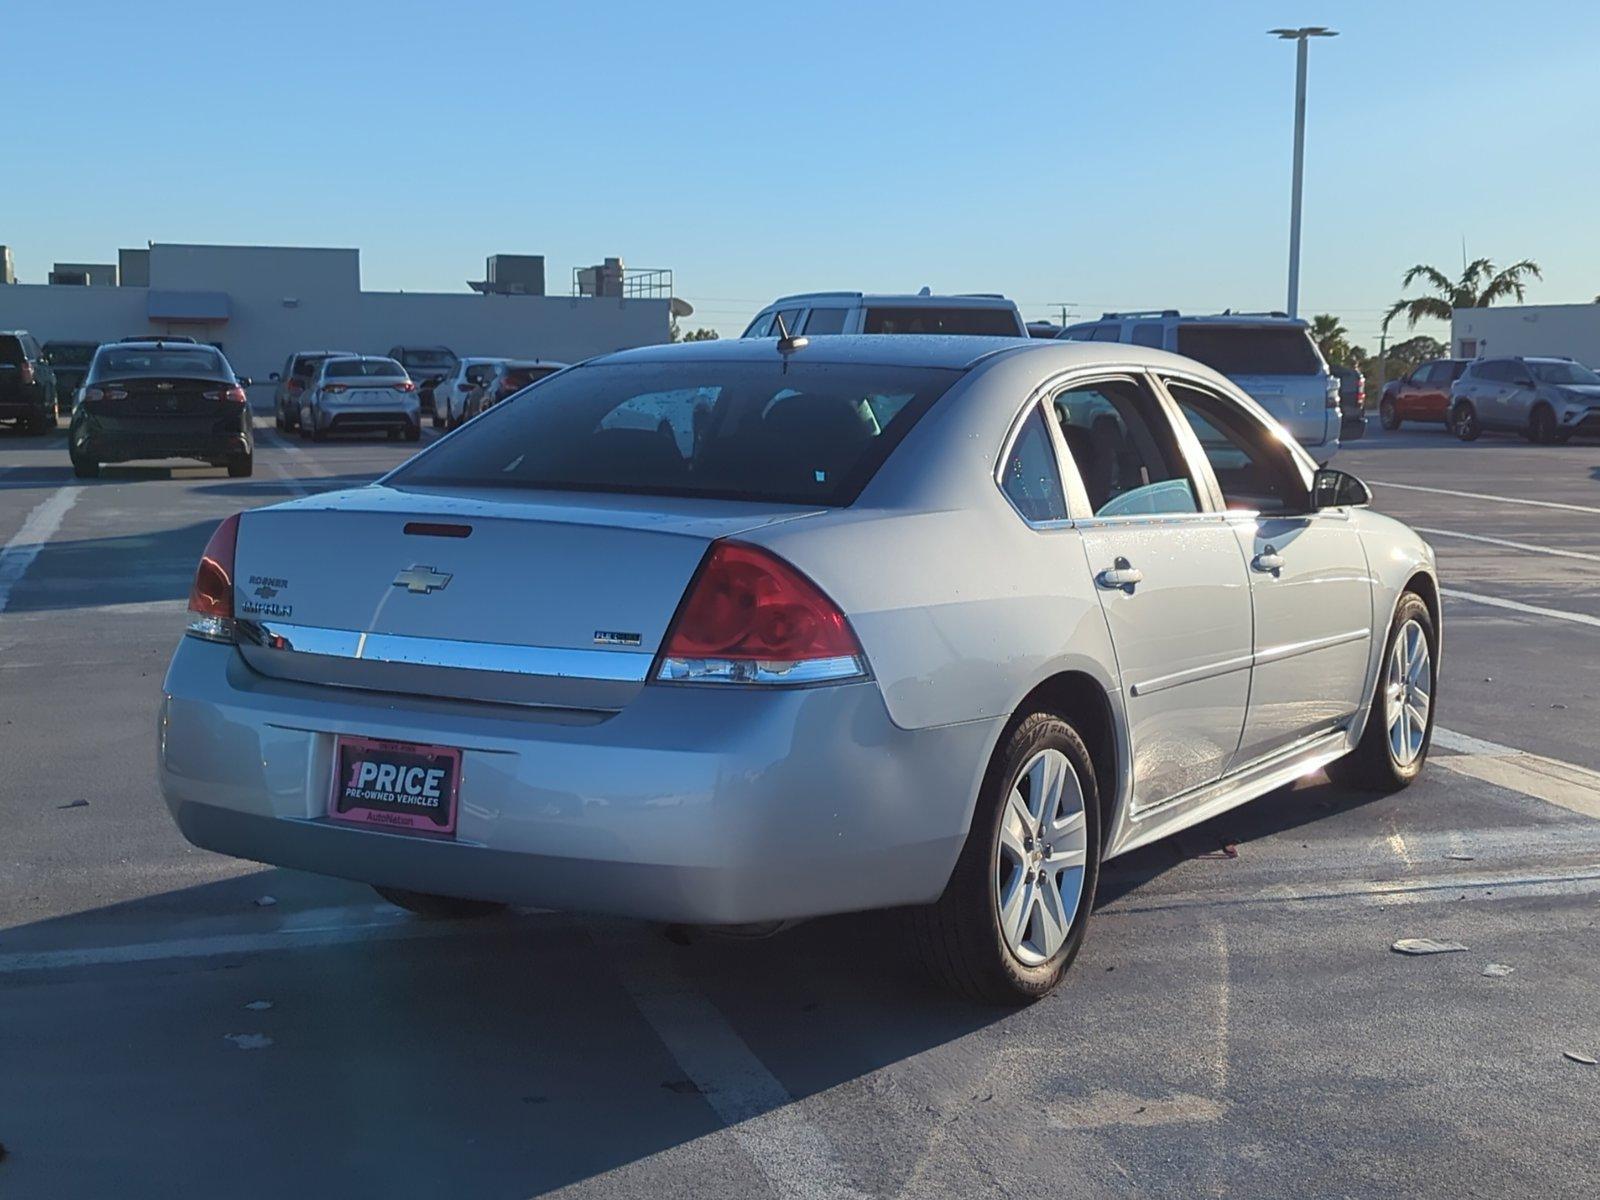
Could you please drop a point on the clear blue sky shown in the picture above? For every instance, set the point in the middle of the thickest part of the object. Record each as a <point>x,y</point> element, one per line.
<point>1108,154</point>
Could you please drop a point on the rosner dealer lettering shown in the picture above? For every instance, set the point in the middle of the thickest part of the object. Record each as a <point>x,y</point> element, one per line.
<point>418,786</point>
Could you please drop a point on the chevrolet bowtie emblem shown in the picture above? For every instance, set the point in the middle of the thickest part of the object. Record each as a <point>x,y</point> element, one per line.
<point>421,580</point>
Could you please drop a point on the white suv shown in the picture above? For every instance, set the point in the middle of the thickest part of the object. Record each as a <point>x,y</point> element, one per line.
<point>1270,355</point>
<point>814,313</point>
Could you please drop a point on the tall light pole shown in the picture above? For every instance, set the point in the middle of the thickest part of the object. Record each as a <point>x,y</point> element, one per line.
<point>1300,37</point>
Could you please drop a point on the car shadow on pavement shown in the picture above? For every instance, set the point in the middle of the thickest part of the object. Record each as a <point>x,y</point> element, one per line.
<point>101,571</point>
<point>268,489</point>
<point>503,1057</point>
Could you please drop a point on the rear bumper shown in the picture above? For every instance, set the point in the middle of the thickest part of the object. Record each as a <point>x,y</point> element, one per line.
<point>26,403</point>
<point>353,420</point>
<point>699,805</point>
<point>124,439</point>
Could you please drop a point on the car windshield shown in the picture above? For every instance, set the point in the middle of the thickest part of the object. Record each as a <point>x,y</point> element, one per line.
<point>376,368</point>
<point>129,362</point>
<point>424,359</point>
<point>1564,372</point>
<point>1250,349</point>
<point>977,322</point>
<point>796,433</point>
<point>69,354</point>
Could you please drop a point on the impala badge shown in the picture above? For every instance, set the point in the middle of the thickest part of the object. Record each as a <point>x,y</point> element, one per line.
<point>611,637</point>
<point>421,580</point>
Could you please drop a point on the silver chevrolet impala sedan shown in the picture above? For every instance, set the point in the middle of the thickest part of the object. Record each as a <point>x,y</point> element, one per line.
<point>750,631</point>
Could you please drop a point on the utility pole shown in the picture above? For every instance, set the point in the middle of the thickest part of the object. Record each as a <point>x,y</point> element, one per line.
<point>1301,38</point>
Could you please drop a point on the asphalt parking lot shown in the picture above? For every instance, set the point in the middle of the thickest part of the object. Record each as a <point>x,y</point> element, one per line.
<point>176,1024</point>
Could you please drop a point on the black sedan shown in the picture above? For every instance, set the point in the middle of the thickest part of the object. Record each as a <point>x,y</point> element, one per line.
<point>161,400</point>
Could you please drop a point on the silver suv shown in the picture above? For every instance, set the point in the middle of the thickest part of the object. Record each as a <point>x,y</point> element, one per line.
<point>1547,400</point>
<point>1270,355</point>
<point>814,313</point>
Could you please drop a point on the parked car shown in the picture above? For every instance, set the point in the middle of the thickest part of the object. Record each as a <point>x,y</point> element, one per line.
<point>452,395</point>
<point>70,362</point>
<point>1270,355</point>
<point>1547,400</point>
<point>426,365</point>
<point>816,313</point>
<point>1044,329</point>
<point>1352,403</point>
<point>292,381</point>
<point>762,634</point>
<point>506,378</point>
<point>27,383</point>
<point>1423,394</point>
<point>360,394</point>
<point>161,400</point>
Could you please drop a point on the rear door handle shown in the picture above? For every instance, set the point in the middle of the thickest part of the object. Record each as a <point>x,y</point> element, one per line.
<point>1269,561</point>
<point>1123,575</point>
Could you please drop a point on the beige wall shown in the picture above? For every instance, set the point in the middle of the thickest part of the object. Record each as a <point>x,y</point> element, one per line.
<point>1570,330</point>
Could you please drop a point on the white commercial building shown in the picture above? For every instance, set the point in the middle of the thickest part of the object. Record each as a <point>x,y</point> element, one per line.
<point>1555,330</point>
<point>260,303</point>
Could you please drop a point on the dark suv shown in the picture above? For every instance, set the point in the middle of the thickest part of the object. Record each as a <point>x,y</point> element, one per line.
<point>27,384</point>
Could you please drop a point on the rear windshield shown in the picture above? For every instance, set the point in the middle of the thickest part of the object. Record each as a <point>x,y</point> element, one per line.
<point>980,322</point>
<point>374,368</point>
<point>814,434</point>
<point>305,364</point>
<point>69,354</point>
<point>1564,372</point>
<point>521,377</point>
<point>1250,349</point>
<point>196,362</point>
<point>428,358</point>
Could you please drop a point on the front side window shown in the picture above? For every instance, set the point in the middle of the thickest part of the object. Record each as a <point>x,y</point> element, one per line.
<point>1255,471</point>
<point>759,327</point>
<point>826,320</point>
<point>791,433</point>
<point>1124,449</point>
<point>1031,477</point>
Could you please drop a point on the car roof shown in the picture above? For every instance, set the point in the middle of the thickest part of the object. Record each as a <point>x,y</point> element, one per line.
<point>125,343</point>
<point>519,363</point>
<point>408,349</point>
<point>326,353</point>
<point>1222,318</point>
<point>966,299</point>
<point>361,358</point>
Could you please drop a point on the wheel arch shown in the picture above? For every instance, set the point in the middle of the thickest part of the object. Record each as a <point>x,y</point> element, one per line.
<point>1083,701</point>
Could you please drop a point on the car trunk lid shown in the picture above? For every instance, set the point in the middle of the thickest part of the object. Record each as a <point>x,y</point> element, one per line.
<point>556,600</point>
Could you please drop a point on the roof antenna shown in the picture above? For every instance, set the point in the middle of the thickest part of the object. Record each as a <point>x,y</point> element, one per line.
<point>788,343</point>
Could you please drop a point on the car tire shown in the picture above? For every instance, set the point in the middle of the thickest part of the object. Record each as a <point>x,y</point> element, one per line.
<point>1464,422</point>
<point>438,421</point>
<point>241,467</point>
<point>414,432</point>
<point>448,908</point>
<point>1387,416</point>
<point>1390,754</point>
<point>961,938</point>
<point>1542,427</point>
<point>84,468</point>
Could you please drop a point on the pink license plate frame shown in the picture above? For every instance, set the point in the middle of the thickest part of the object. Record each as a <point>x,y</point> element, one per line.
<point>396,786</point>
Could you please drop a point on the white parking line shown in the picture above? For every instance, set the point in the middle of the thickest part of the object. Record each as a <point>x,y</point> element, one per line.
<point>1510,545</point>
<point>1414,487</point>
<point>1564,784</point>
<point>25,544</point>
<point>793,1155</point>
<point>1532,610</point>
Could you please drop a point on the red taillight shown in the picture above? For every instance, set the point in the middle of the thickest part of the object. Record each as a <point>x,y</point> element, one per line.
<point>25,372</point>
<point>406,386</point>
<point>749,617</point>
<point>296,385</point>
<point>211,595</point>
<point>232,395</point>
<point>95,393</point>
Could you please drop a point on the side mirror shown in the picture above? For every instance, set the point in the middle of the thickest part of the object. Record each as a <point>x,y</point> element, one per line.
<point>245,381</point>
<point>273,378</point>
<point>1332,488</point>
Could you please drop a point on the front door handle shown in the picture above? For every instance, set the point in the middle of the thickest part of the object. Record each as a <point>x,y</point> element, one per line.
<point>1123,575</point>
<point>1269,561</point>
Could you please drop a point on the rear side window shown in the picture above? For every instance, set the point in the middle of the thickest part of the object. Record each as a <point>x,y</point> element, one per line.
<point>11,350</point>
<point>372,368</point>
<point>1148,335</point>
<point>1031,477</point>
<point>814,433</point>
<point>826,320</point>
<point>977,322</point>
<point>1250,349</point>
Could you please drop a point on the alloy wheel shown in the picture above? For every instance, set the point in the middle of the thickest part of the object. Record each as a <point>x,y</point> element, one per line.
<point>1040,857</point>
<point>1408,693</point>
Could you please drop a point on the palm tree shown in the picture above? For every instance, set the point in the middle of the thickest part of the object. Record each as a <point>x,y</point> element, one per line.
<point>1480,285</point>
<point>1331,336</point>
